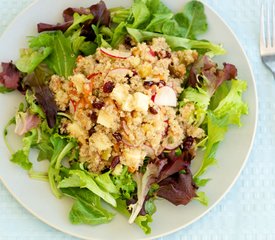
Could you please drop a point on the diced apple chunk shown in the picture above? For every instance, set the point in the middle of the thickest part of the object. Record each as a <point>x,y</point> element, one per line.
<point>141,102</point>
<point>107,118</point>
<point>120,93</point>
<point>127,105</point>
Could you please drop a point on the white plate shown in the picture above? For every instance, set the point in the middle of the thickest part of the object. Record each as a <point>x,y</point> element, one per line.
<point>37,197</point>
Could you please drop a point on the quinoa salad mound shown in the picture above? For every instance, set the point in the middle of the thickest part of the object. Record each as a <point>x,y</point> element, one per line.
<point>123,109</point>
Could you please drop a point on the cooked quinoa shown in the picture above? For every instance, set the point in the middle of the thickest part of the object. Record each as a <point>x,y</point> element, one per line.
<point>110,99</point>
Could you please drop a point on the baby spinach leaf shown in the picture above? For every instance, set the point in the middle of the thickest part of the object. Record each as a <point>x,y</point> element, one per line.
<point>192,19</point>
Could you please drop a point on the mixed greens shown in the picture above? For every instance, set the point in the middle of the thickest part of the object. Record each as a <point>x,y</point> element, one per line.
<point>215,92</point>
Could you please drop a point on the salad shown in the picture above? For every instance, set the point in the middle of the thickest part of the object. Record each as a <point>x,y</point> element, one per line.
<point>119,101</point>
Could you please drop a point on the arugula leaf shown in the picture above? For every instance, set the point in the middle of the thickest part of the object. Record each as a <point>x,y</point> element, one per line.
<point>79,178</point>
<point>79,45</point>
<point>87,208</point>
<point>62,60</point>
<point>119,34</point>
<point>157,7</point>
<point>177,42</point>
<point>99,40</point>
<point>140,14</point>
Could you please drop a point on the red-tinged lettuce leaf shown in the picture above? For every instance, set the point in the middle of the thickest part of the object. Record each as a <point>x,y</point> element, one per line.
<point>99,11</point>
<point>177,162</point>
<point>68,13</point>
<point>144,182</point>
<point>37,82</point>
<point>178,189</point>
<point>175,179</point>
<point>10,76</point>
<point>206,68</point>
<point>101,14</point>
<point>25,121</point>
<point>42,27</point>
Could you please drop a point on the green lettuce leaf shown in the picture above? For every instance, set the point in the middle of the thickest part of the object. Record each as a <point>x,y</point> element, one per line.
<point>87,208</point>
<point>30,59</point>
<point>21,157</point>
<point>125,183</point>
<point>105,182</point>
<point>202,198</point>
<point>79,178</point>
<point>62,147</point>
<point>232,105</point>
<point>216,128</point>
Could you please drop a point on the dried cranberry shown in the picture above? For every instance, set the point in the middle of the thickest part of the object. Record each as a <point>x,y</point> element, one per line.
<point>93,117</point>
<point>98,105</point>
<point>187,144</point>
<point>92,131</point>
<point>108,87</point>
<point>115,161</point>
<point>117,136</point>
<point>168,54</point>
<point>162,82</point>
<point>153,110</point>
<point>148,84</point>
